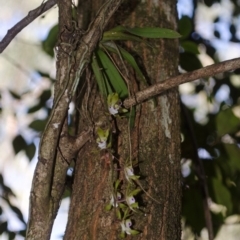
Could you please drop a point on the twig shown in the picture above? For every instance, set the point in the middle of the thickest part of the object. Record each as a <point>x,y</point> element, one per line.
<point>32,15</point>
<point>199,169</point>
<point>180,79</point>
<point>16,64</point>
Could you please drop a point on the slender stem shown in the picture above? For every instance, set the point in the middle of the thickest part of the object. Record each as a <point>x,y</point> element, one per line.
<point>32,15</point>
<point>199,169</point>
<point>172,82</point>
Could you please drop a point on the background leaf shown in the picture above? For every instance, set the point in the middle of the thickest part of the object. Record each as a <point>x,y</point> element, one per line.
<point>38,125</point>
<point>222,195</point>
<point>19,143</point>
<point>49,43</point>
<point>227,122</point>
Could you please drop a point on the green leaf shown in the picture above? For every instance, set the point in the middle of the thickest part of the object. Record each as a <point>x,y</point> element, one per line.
<point>135,177</point>
<point>135,192</point>
<point>222,194</point>
<point>99,78</point>
<point>126,56</point>
<point>113,76</point>
<point>112,99</point>
<point>122,206</point>
<point>118,213</point>
<point>19,144</point>
<point>49,43</point>
<point>11,235</point>
<point>185,26</point>
<point>22,233</point>
<point>108,207</point>
<point>30,151</point>
<point>190,47</point>
<point>119,36</point>
<point>134,232</point>
<point>192,207</point>
<point>122,235</point>
<point>38,125</point>
<point>3,227</point>
<point>45,96</point>
<point>126,213</point>
<point>18,213</point>
<point>35,108</point>
<point>227,122</point>
<point>153,32</point>
<point>116,184</point>
<point>103,134</point>
<point>233,156</point>
<point>134,205</point>
<point>189,61</point>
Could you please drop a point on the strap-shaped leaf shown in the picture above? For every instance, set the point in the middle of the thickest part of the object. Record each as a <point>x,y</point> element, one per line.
<point>126,56</point>
<point>146,32</point>
<point>121,36</point>
<point>152,32</point>
<point>112,74</point>
<point>99,77</point>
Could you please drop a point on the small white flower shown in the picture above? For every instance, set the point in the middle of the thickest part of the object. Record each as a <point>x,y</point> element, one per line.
<point>125,225</point>
<point>113,202</point>
<point>115,104</point>
<point>102,144</point>
<point>128,172</point>
<point>130,200</point>
<point>102,138</point>
<point>113,110</point>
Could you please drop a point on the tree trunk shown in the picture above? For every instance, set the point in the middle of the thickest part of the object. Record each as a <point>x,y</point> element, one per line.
<point>154,142</point>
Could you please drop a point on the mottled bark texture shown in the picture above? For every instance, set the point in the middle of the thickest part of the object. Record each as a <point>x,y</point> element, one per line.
<point>57,148</point>
<point>155,141</point>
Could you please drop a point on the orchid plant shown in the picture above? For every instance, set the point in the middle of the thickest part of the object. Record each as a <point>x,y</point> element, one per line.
<point>124,205</point>
<point>102,138</point>
<point>115,104</point>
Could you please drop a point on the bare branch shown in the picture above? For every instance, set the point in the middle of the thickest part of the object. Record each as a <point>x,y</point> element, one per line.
<point>180,79</point>
<point>199,170</point>
<point>32,15</point>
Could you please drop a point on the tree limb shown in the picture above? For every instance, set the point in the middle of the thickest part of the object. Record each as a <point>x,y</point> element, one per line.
<point>32,15</point>
<point>74,54</point>
<point>172,82</point>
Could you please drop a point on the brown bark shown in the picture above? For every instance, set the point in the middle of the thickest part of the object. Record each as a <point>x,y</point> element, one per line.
<point>57,148</point>
<point>155,144</point>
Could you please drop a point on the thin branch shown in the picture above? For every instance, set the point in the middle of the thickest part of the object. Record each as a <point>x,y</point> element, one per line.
<point>199,170</point>
<point>16,64</point>
<point>180,79</point>
<point>32,15</point>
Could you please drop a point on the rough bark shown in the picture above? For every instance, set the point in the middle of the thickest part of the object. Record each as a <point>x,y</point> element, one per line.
<point>155,143</point>
<point>57,148</point>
